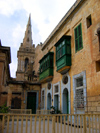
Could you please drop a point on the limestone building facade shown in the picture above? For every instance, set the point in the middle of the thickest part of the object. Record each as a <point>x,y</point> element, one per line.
<point>70,66</point>
<point>5,60</point>
<point>24,91</point>
<point>64,71</point>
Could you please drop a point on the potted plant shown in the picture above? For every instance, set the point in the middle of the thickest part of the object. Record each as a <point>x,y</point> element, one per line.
<point>52,110</point>
<point>58,111</point>
<point>3,109</point>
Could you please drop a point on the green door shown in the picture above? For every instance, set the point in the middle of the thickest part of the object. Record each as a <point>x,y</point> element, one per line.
<point>31,101</point>
<point>65,102</point>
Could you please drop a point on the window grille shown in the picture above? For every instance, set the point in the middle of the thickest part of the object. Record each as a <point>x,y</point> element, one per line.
<point>79,97</point>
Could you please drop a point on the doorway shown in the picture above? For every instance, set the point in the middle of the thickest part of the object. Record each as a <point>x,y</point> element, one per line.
<point>56,102</point>
<point>49,101</point>
<point>31,101</point>
<point>65,101</point>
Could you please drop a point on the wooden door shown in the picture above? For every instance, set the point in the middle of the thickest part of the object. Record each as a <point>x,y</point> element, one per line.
<point>31,101</point>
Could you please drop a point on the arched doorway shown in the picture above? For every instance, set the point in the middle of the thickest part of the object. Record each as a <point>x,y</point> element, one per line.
<point>65,101</point>
<point>48,101</point>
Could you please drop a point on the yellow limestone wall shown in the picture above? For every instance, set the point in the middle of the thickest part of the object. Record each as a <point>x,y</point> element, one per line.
<point>85,59</point>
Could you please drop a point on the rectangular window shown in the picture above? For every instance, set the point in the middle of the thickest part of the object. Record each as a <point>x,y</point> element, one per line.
<point>98,66</point>
<point>60,51</point>
<point>79,82</point>
<point>46,62</point>
<point>56,89</point>
<point>79,98</point>
<point>78,38</point>
<point>89,21</point>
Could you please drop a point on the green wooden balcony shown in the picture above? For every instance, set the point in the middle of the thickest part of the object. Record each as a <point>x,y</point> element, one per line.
<point>47,75</point>
<point>63,54</point>
<point>46,67</point>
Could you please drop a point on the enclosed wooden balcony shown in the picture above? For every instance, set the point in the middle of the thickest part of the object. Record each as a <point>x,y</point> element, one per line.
<point>46,67</point>
<point>63,54</point>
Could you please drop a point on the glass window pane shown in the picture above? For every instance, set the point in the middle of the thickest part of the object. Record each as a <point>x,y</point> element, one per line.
<point>63,42</point>
<point>63,49</point>
<point>79,82</point>
<point>60,52</point>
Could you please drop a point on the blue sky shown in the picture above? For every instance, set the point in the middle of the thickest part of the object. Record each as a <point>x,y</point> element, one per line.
<point>14,14</point>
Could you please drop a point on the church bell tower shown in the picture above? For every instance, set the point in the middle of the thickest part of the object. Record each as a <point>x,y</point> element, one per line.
<point>26,55</point>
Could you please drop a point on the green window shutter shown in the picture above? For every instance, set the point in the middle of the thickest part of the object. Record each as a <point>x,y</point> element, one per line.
<point>78,38</point>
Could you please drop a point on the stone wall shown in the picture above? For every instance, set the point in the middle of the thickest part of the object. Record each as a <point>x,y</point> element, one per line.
<point>4,73</point>
<point>84,59</point>
<point>93,104</point>
<point>38,56</point>
<point>18,88</point>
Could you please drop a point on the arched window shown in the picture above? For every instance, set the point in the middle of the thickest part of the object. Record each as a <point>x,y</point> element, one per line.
<point>26,63</point>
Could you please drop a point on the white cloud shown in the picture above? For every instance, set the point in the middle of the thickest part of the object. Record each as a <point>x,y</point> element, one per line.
<point>18,35</point>
<point>13,68</point>
<point>45,16</point>
<point>7,7</point>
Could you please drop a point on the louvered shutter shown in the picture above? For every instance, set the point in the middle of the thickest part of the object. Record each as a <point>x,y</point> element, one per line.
<point>78,38</point>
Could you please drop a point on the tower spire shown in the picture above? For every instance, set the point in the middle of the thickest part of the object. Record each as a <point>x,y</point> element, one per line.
<point>27,41</point>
